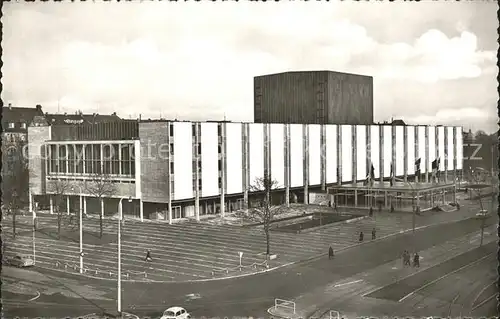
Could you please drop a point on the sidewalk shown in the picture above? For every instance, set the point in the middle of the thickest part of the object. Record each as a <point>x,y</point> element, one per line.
<point>337,296</point>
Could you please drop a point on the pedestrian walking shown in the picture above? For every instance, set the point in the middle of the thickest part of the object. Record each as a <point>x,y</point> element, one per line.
<point>416,260</point>
<point>374,233</point>
<point>148,256</point>
<point>392,208</point>
<point>371,212</point>
<point>406,258</point>
<point>330,253</point>
<point>361,236</point>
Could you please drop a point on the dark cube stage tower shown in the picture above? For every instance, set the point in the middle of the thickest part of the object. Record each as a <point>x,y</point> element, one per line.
<point>313,97</point>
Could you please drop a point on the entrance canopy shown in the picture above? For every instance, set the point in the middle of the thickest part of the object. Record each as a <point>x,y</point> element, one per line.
<point>378,186</point>
<point>399,195</point>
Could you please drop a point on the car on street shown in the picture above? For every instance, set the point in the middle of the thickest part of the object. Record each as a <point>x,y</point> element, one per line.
<point>482,214</point>
<point>20,260</point>
<point>175,313</point>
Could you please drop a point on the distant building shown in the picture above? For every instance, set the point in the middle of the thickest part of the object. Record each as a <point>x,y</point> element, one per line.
<point>80,118</point>
<point>15,122</point>
<point>313,97</point>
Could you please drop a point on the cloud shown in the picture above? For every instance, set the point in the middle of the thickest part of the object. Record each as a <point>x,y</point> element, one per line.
<point>193,62</point>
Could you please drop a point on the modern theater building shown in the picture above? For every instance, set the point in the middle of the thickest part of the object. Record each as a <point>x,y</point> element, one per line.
<point>314,132</point>
<point>192,169</point>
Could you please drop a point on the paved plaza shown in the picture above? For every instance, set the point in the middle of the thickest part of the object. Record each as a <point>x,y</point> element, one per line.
<point>196,251</point>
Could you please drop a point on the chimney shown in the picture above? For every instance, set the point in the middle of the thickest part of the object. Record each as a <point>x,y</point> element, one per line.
<point>38,107</point>
<point>114,113</point>
<point>10,106</point>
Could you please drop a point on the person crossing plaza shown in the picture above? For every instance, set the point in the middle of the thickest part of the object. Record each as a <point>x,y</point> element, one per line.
<point>330,253</point>
<point>374,233</point>
<point>416,260</point>
<point>406,258</point>
<point>148,256</point>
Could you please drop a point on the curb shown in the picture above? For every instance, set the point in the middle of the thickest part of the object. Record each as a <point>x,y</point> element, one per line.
<point>347,221</point>
<point>169,281</point>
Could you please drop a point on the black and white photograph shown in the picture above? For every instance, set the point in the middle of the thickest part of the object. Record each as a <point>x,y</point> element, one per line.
<point>249,159</point>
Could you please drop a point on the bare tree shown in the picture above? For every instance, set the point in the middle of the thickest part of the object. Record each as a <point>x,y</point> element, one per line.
<point>100,186</point>
<point>58,188</point>
<point>15,178</point>
<point>266,212</point>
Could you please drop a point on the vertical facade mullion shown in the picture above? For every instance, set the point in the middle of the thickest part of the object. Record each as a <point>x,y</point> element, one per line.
<point>436,150</point>
<point>287,163</point>
<point>427,154</point>
<point>84,158</point>
<point>245,166</point>
<point>368,149</point>
<point>455,149</point>
<point>323,156</point>
<point>393,153</point>
<point>305,161</point>
<point>132,159</point>
<point>446,155</point>
<point>169,173</point>
<point>66,162</point>
<point>75,159</point>
<point>405,153</point>
<point>354,143</point>
<point>381,152</point>
<point>58,166</point>
<point>339,154</point>
<point>196,157</point>
<point>266,139</point>
<point>102,158</point>
<point>223,170</point>
<point>417,154</point>
<point>120,146</point>
<point>48,155</point>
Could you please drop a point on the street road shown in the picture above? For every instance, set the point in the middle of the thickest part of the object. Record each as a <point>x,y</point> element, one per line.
<point>249,296</point>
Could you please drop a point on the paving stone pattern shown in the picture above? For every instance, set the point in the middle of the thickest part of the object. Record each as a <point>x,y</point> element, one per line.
<point>193,251</point>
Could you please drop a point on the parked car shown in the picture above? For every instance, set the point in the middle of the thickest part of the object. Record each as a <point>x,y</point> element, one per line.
<point>21,261</point>
<point>175,313</point>
<point>482,214</point>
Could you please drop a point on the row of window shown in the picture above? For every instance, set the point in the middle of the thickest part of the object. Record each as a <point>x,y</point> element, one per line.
<point>112,159</point>
<point>193,130</point>
<point>13,137</point>
<point>21,125</point>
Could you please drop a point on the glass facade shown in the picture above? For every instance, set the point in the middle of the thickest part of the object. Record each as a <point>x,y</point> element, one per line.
<point>115,159</point>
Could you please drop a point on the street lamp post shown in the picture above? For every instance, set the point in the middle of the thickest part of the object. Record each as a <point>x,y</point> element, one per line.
<point>120,215</point>
<point>33,215</point>
<point>482,215</point>
<point>81,229</point>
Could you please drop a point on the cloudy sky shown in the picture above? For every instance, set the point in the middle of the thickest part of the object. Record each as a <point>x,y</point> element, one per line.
<point>432,63</point>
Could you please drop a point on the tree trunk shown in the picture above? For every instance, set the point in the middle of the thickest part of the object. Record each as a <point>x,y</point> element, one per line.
<point>13,212</point>
<point>100,221</point>
<point>58,224</point>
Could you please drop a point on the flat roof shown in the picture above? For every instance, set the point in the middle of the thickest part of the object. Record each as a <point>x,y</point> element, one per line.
<point>386,186</point>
